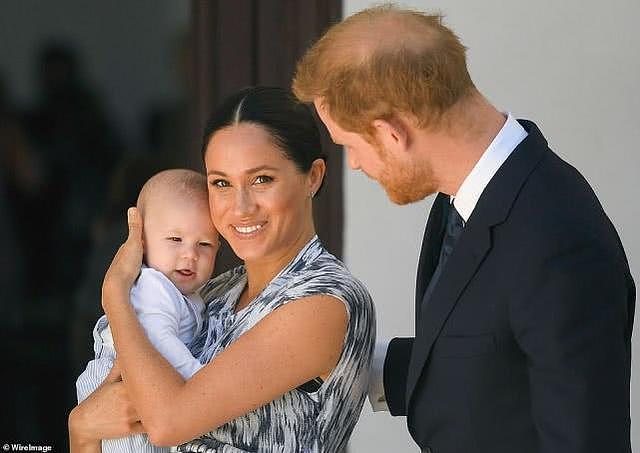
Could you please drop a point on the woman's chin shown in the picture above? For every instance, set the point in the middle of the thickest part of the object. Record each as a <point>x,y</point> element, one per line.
<point>247,252</point>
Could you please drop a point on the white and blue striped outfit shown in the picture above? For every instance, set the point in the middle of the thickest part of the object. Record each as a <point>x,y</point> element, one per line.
<point>316,421</point>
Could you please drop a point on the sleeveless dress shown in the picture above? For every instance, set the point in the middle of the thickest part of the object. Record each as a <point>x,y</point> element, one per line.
<point>299,421</point>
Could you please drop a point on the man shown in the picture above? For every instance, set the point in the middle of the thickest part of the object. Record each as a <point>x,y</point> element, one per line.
<point>524,299</point>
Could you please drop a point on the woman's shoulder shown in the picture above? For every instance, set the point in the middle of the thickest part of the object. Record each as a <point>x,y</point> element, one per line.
<point>328,275</point>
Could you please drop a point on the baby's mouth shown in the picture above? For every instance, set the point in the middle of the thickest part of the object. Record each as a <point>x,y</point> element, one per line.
<point>185,272</point>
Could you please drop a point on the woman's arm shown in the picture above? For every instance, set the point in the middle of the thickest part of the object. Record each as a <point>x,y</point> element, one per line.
<point>290,346</point>
<point>77,443</point>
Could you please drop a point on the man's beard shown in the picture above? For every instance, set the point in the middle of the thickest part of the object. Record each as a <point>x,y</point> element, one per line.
<point>404,183</point>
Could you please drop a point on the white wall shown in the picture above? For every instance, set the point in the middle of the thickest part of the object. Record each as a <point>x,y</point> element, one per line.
<point>572,66</point>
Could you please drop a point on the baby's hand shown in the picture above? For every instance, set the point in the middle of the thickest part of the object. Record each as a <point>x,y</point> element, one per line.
<point>125,267</point>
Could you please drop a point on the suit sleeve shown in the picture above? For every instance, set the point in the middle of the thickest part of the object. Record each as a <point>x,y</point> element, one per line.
<point>573,324</point>
<point>396,366</point>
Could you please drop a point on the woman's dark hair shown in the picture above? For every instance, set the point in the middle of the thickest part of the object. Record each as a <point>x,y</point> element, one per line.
<point>289,122</point>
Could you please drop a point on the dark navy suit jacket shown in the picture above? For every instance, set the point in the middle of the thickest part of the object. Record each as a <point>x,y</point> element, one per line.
<point>525,343</point>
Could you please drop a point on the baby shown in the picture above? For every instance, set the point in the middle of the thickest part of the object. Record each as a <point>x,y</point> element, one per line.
<point>180,245</point>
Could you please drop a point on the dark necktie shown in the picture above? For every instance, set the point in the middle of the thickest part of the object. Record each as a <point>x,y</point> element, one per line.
<point>453,230</point>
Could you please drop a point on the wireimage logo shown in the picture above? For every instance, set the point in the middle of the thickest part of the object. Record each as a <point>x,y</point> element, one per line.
<point>27,447</point>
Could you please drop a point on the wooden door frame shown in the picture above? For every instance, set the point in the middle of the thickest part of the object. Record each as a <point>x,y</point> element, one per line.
<point>258,42</point>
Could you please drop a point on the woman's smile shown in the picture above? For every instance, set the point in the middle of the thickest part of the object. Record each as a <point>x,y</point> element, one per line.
<point>249,231</point>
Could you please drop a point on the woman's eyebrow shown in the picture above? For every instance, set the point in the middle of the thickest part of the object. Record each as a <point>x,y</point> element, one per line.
<point>248,171</point>
<point>261,168</point>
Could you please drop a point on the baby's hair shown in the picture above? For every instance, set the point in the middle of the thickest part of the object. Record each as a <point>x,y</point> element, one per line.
<point>177,182</point>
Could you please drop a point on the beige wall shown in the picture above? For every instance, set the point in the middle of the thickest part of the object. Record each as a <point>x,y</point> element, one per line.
<point>572,66</point>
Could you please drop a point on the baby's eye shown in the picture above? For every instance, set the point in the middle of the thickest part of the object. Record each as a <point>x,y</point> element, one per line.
<point>220,183</point>
<point>262,179</point>
<point>206,244</point>
<point>174,239</point>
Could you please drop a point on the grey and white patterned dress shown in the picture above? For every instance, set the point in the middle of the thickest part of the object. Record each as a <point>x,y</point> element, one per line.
<point>320,421</point>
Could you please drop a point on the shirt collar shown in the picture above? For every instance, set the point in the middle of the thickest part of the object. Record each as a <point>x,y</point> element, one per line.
<point>509,137</point>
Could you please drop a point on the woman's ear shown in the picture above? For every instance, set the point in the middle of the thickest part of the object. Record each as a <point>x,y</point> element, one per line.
<point>316,175</point>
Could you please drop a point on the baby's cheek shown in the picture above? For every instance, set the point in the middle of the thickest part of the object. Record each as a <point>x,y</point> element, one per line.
<point>211,266</point>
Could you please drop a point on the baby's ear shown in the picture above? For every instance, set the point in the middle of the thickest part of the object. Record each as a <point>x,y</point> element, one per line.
<point>144,248</point>
<point>144,233</point>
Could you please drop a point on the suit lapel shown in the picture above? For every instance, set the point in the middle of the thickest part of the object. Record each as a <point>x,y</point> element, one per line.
<point>472,247</point>
<point>474,244</point>
<point>431,243</point>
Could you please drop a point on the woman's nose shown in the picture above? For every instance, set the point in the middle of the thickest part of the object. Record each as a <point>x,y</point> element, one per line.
<point>244,203</point>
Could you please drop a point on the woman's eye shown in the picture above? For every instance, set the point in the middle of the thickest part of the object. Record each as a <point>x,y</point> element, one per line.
<point>262,179</point>
<point>175,239</point>
<point>220,183</point>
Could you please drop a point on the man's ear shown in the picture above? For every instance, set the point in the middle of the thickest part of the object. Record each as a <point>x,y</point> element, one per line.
<point>393,133</point>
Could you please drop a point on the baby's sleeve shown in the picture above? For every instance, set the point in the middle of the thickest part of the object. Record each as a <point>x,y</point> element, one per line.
<point>158,305</point>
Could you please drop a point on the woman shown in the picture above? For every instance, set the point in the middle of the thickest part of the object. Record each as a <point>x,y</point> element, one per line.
<point>290,334</point>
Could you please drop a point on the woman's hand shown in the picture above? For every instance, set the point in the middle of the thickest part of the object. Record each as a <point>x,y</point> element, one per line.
<point>106,414</point>
<point>125,267</point>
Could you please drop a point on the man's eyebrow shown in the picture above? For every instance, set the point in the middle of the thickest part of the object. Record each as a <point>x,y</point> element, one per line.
<point>248,171</point>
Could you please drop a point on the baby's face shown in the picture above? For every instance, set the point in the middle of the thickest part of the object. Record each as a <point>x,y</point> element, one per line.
<point>180,241</point>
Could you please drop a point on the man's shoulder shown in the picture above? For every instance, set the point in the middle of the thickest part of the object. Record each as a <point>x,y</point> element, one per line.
<point>557,207</point>
<point>558,192</point>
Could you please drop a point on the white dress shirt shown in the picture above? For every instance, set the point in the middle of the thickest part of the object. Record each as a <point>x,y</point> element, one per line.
<point>509,137</point>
